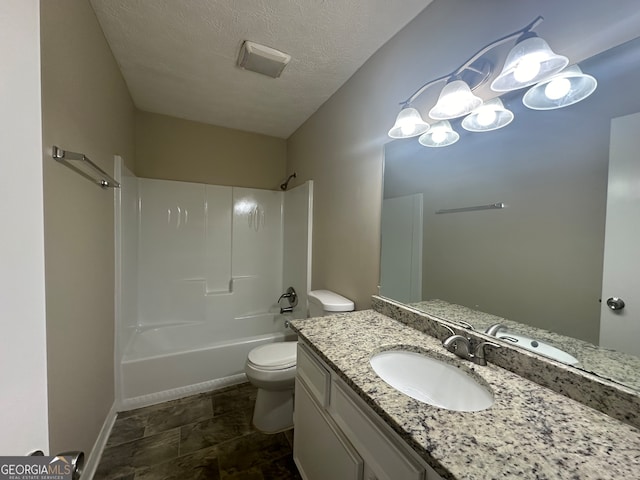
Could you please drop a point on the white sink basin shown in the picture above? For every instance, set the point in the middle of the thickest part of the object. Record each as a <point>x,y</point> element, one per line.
<point>431,381</point>
<point>537,346</point>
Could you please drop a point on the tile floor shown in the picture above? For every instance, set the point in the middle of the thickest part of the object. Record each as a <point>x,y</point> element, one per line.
<point>206,436</point>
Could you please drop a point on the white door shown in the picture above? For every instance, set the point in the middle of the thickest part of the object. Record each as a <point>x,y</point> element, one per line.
<point>401,248</point>
<point>620,328</point>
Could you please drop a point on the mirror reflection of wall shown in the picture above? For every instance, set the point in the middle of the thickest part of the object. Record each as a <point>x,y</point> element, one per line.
<point>401,248</point>
<point>538,261</point>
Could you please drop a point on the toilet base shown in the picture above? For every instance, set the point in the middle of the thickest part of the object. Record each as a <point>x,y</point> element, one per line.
<point>273,411</point>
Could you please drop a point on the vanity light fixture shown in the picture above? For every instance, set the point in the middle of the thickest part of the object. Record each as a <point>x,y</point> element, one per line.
<point>409,123</point>
<point>491,115</point>
<point>456,100</point>
<point>439,135</point>
<point>528,62</point>
<point>566,88</point>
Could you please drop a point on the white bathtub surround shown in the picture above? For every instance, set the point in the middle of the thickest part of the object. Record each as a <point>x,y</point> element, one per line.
<point>158,368</point>
<point>208,272</point>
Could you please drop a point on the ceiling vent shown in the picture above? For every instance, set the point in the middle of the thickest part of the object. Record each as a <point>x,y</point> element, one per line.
<point>265,60</point>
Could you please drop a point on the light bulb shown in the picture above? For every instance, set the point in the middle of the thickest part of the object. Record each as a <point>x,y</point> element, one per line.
<point>439,135</point>
<point>486,116</point>
<point>407,127</point>
<point>452,104</point>
<point>527,69</point>
<point>557,88</point>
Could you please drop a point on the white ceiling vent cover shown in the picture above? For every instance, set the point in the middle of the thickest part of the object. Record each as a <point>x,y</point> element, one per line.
<point>261,59</point>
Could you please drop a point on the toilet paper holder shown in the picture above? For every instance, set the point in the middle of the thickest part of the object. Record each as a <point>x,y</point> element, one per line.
<point>77,461</point>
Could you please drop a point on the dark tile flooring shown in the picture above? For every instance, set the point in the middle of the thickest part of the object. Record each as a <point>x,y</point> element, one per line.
<point>206,436</point>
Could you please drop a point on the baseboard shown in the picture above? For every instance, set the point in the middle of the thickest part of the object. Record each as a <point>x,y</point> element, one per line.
<point>175,393</point>
<point>91,465</point>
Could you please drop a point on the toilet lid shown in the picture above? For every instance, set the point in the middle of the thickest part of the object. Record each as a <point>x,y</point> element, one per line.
<point>274,356</point>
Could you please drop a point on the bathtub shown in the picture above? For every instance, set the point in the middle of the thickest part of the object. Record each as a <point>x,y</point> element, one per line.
<point>167,362</point>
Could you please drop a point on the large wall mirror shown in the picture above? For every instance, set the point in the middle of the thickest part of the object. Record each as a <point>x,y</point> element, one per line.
<point>541,265</point>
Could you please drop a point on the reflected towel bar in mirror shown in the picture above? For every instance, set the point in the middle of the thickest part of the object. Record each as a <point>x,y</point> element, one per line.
<point>492,206</point>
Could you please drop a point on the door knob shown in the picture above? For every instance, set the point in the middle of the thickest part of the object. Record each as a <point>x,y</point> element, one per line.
<point>615,303</point>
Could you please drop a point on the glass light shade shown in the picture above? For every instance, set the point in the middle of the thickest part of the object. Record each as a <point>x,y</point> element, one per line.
<point>490,116</point>
<point>455,100</point>
<point>528,62</point>
<point>409,123</point>
<point>566,88</point>
<point>440,135</point>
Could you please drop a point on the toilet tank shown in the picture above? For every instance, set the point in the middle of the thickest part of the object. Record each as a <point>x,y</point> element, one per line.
<point>326,302</point>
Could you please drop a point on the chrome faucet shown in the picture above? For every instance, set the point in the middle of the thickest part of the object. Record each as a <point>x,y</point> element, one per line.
<point>478,352</point>
<point>464,348</point>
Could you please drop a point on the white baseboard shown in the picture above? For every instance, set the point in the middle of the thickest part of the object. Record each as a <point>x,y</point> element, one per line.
<point>175,393</point>
<point>91,465</point>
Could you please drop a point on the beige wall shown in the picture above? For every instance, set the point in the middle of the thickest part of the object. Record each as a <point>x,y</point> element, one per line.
<point>340,146</point>
<point>174,149</point>
<point>85,108</point>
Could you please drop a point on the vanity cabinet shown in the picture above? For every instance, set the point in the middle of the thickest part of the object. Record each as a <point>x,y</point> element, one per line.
<point>338,436</point>
<point>321,451</point>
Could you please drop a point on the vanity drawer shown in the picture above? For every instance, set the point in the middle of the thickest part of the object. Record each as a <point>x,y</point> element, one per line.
<point>316,377</point>
<point>379,449</point>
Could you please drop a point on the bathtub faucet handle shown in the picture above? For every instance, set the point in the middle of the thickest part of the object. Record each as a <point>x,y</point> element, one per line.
<point>291,296</point>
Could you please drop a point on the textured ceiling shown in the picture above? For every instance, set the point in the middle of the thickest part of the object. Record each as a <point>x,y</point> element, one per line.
<point>179,57</point>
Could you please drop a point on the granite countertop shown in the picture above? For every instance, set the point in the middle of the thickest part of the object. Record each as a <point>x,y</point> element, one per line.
<point>530,432</point>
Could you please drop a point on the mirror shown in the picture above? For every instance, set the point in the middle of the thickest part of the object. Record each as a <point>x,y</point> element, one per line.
<point>536,265</point>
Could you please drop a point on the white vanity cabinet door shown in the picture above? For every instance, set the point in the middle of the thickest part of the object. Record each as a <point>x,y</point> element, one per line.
<point>320,450</point>
<point>384,458</point>
<point>338,437</point>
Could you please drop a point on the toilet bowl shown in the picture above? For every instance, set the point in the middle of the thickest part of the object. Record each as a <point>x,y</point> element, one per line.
<point>272,368</point>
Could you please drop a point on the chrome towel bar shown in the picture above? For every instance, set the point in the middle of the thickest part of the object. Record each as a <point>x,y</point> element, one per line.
<point>103,178</point>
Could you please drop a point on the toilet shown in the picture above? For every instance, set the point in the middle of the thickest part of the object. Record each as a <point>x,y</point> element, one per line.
<point>272,368</point>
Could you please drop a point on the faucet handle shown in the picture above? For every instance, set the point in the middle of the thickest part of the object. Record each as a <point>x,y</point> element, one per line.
<point>443,325</point>
<point>494,329</point>
<point>458,345</point>
<point>466,325</point>
<point>290,295</point>
<point>478,352</point>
